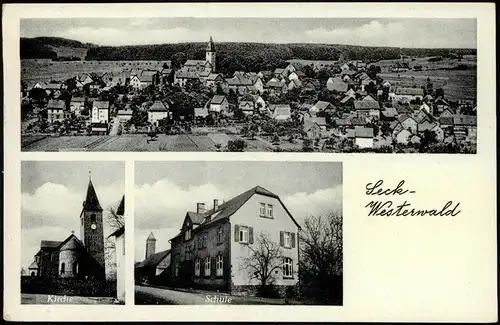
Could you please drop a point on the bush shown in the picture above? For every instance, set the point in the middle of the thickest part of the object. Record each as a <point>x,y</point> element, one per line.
<point>236,145</point>
<point>269,291</point>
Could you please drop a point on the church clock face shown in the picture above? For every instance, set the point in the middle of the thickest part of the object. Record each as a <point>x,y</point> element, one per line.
<point>93,226</point>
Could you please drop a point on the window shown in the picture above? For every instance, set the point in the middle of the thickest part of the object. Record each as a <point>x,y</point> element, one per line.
<point>269,210</point>
<point>187,234</point>
<point>197,267</point>
<point>92,218</point>
<point>219,265</point>
<point>63,267</point>
<point>219,236</point>
<point>243,234</point>
<point>207,266</point>
<point>262,209</point>
<point>287,268</point>
<point>75,268</point>
<point>287,239</point>
<point>200,242</point>
<point>176,269</point>
<point>204,241</point>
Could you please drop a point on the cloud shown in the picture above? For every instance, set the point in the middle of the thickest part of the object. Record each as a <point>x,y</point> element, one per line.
<point>373,33</point>
<point>138,35</point>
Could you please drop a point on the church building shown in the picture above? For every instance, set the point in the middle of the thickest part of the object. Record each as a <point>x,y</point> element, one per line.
<point>197,69</point>
<point>74,257</point>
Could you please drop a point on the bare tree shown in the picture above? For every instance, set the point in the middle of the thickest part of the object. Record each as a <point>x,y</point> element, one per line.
<point>115,221</point>
<point>321,257</point>
<point>264,260</point>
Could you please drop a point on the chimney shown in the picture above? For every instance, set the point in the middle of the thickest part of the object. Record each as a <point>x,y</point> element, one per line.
<point>216,204</point>
<point>200,207</point>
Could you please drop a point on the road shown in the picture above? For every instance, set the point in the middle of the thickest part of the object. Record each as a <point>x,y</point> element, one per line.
<point>115,127</point>
<point>160,296</point>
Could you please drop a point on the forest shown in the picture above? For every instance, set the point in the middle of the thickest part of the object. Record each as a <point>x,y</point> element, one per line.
<point>230,56</point>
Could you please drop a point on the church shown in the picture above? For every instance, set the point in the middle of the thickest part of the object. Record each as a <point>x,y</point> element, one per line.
<point>75,258</point>
<point>200,66</point>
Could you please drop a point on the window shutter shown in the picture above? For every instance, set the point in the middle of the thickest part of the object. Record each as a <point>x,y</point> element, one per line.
<point>293,239</point>
<point>213,267</point>
<point>250,235</point>
<point>236,233</point>
<point>282,238</point>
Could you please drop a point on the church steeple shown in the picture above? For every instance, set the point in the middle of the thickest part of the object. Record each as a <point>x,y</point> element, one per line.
<point>91,201</point>
<point>211,45</point>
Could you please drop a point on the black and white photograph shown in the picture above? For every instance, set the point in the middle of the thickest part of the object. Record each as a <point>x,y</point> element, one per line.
<point>238,232</point>
<point>379,85</point>
<point>73,232</point>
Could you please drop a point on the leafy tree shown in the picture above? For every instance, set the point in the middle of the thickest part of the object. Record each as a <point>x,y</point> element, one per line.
<point>307,145</point>
<point>323,76</point>
<point>178,59</point>
<point>385,128</point>
<point>439,92</point>
<point>38,95</point>
<point>236,145</point>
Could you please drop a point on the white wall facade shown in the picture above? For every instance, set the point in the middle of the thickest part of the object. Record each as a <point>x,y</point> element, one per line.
<point>100,115</point>
<point>154,117</point>
<point>249,215</point>
<point>364,142</point>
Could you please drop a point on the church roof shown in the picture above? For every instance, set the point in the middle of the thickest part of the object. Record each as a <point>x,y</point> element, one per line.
<point>211,45</point>
<point>121,208</point>
<point>91,201</point>
<point>71,243</point>
<point>50,244</point>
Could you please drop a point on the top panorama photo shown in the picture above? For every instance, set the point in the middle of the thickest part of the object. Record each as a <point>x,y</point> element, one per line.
<point>249,84</point>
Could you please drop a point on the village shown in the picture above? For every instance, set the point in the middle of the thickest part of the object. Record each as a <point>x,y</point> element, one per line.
<point>314,106</point>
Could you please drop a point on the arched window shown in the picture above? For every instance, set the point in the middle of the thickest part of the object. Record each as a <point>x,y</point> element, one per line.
<point>92,218</point>
<point>63,266</point>
<point>75,268</point>
<point>32,273</point>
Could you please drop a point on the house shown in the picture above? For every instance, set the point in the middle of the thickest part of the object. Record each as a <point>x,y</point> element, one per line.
<point>281,112</point>
<point>76,258</point>
<point>181,78</point>
<point>100,111</point>
<point>337,84</point>
<point>310,84</point>
<point>399,67</point>
<point>77,105</point>
<point>213,79</point>
<point>422,116</point>
<point>124,115</point>
<point>265,74</point>
<point>363,137</point>
<point>367,109</point>
<point>218,104</point>
<point>276,87</point>
<point>257,102</point>
<point>246,106</point>
<point>426,108</point>
<point>154,264</point>
<point>408,123</point>
<point>403,136</point>
<point>465,127</point>
<point>320,106</point>
<point>119,239</point>
<point>150,78</point>
<point>406,95</point>
<point>388,113</point>
<point>293,76</point>
<point>447,112</point>
<point>433,127</point>
<point>209,250</point>
<point>55,110</point>
<point>158,111</point>
<point>315,127</point>
<point>135,82</point>
<point>294,84</point>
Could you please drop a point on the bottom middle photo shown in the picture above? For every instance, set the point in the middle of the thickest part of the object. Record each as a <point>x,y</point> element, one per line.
<point>238,232</point>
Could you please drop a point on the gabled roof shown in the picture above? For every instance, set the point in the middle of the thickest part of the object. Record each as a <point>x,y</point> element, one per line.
<point>33,265</point>
<point>404,117</point>
<point>421,127</point>
<point>154,259</point>
<point>214,76</point>
<point>56,104</point>
<point>322,105</point>
<point>195,62</point>
<point>50,244</point>
<point>158,106</point>
<point>363,132</point>
<point>389,112</point>
<point>217,99</point>
<point>148,73</point>
<point>101,104</point>
<point>74,244</point>
<point>77,99</point>
<point>210,45</point>
<point>91,201</point>
<point>281,111</point>
<point>196,218</point>
<point>446,120</point>
<point>186,75</point>
<point>366,105</point>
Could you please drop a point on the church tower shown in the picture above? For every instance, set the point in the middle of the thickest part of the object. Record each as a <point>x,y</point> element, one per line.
<point>210,54</point>
<point>150,245</point>
<point>91,225</point>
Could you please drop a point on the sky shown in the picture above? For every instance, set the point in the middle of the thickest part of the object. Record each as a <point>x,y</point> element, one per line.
<point>407,32</point>
<point>52,197</point>
<point>165,191</point>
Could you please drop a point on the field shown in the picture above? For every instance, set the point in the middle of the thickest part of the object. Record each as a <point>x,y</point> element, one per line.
<point>138,142</point>
<point>33,71</point>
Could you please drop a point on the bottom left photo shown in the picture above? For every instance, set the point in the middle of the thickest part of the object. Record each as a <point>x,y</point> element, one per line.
<point>73,232</point>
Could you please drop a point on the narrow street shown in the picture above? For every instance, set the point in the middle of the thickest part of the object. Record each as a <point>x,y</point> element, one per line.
<point>115,127</point>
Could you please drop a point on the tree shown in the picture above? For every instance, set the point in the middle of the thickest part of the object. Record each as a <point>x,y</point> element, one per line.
<point>307,145</point>
<point>265,257</point>
<point>439,92</point>
<point>238,145</point>
<point>321,256</point>
<point>178,59</point>
<point>385,128</point>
